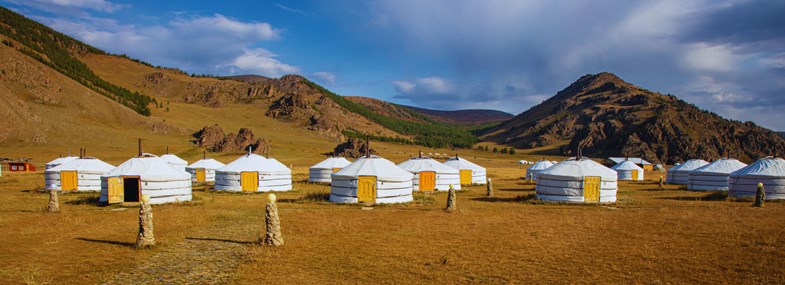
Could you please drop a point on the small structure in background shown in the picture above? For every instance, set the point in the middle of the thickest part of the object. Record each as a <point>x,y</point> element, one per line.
<point>647,166</point>
<point>626,170</point>
<point>769,170</point>
<point>203,170</point>
<point>253,173</point>
<point>713,176</point>
<point>21,167</point>
<point>469,172</point>
<point>531,172</point>
<point>174,160</point>
<point>81,174</point>
<point>680,174</point>
<point>322,172</point>
<point>579,180</point>
<point>430,175</point>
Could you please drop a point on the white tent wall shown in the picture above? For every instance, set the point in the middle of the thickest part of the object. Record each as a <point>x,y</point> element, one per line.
<point>624,171</point>
<point>443,181</point>
<point>316,175</point>
<point>478,172</point>
<point>230,181</point>
<point>322,172</point>
<point>680,174</point>
<point>86,181</point>
<point>344,190</point>
<point>209,174</point>
<point>708,181</point>
<point>564,189</point>
<point>536,168</point>
<point>445,175</point>
<point>208,164</point>
<point>747,186</point>
<point>160,191</point>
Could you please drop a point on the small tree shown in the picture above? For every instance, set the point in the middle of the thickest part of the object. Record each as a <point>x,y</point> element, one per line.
<point>486,148</point>
<point>512,151</point>
<point>495,150</point>
<point>504,150</point>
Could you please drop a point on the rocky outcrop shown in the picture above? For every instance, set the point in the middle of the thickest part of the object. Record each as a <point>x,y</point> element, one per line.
<point>352,148</point>
<point>289,106</point>
<point>213,139</point>
<point>605,116</point>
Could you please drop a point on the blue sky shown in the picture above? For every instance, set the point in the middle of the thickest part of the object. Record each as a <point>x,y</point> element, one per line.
<point>727,56</point>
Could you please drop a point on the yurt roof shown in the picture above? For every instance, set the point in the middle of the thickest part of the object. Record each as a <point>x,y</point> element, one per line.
<point>626,165</point>
<point>418,164</point>
<point>690,165</point>
<point>173,159</point>
<point>148,167</point>
<point>764,167</point>
<point>580,167</point>
<point>61,160</point>
<point>207,163</point>
<point>332,162</point>
<point>83,164</point>
<point>255,162</point>
<point>374,166</point>
<point>460,163</point>
<point>723,166</point>
<point>540,165</point>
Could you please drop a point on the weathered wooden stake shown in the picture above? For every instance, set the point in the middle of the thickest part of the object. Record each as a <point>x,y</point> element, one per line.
<point>54,201</point>
<point>490,188</point>
<point>760,196</point>
<point>272,236</point>
<point>531,177</point>
<point>661,182</point>
<point>451,199</point>
<point>146,238</point>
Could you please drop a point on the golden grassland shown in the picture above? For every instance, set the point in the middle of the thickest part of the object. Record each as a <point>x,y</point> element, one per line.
<point>649,236</point>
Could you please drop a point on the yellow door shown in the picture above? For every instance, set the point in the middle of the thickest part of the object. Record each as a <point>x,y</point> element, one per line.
<point>200,175</point>
<point>366,189</point>
<point>68,180</point>
<point>249,181</point>
<point>634,174</point>
<point>466,176</point>
<point>336,169</point>
<point>427,181</point>
<point>115,191</point>
<point>591,188</point>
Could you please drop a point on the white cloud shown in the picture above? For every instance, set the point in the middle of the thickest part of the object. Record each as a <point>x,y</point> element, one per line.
<point>263,62</point>
<point>403,86</point>
<point>219,24</point>
<point>325,77</point>
<point>67,5</point>
<point>705,57</point>
<point>291,10</point>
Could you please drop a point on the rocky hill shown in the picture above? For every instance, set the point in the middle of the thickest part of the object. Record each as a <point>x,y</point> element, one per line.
<point>606,116</point>
<point>415,114</point>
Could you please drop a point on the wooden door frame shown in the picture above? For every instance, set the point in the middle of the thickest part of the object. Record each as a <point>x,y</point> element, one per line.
<point>138,190</point>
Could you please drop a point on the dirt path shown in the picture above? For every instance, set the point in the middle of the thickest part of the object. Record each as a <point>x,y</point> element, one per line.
<point>208,257</point>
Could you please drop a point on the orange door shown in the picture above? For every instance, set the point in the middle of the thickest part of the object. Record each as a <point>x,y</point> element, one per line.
<point>115,190</point>
<point>635,175</point>
<point>427,181</point>
<point>466,176</point>
<point>591,188</point>
<point>366,189</point>
<point>249,181</point>
<point>68,180</point>
<point>200,175</point>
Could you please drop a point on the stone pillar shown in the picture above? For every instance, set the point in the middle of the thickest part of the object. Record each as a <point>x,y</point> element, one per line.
<point>272,236</point>
<point>54,201</point>
<point>146,238</point>
<point>490,188</point>
<point>451,199</point>
<point>760,196</point>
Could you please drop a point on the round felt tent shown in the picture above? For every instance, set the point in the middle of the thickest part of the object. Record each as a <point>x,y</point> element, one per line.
<point>680,174</point>
<point>60,160</point>
<point>532,171</point>
<point>430,175</point>
<point>204,170</point>
<point>371,179</point>
<point>322,171</point>
<point>175,161</point>
<point>714,176</point>
<point>770,171</point>
<point>146,174</point>
<point>577,180</point>
<point>627,170</point>
<point>470,173</point>
<point>81,174</point>
<point>253,173</point>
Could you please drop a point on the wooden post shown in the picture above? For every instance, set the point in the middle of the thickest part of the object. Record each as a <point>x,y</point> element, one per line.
<point>451,200</point>
<point>661,182</point>
<point>490,188</point>
<point>146,237</point>
<point>760,196</point>
<point>272,235</point>
<point>54,201</point>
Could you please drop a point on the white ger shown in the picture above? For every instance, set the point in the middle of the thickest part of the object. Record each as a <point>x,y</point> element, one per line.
<point>713,176</point>
<point>204,170</point>
<point>322,171</point>
<point>580,180</point>
<point>470,173</point>
<point>81,174</point>
<point>431,175</point>
<point>253,173</point>
<point>627,170</point>
<point>770,171</point>
<point>371,179</point>
<point>149,175</point>
<point>680,174</point>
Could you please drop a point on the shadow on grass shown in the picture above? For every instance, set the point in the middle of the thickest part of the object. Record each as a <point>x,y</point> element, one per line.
<point>531,198</point>
<point>713,196</point>
<point>112,242</point>
<point>513,189</point>
<point>221,240</point>
<point>310,197</point>
<point>86,200</point>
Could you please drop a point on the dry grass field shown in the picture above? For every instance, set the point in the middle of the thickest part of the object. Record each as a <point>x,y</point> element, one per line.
<point>649,236</point>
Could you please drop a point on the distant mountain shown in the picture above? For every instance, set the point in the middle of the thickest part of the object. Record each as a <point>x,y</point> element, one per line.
<point>466,117</point>
<point>605,116</point>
